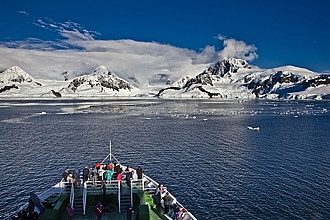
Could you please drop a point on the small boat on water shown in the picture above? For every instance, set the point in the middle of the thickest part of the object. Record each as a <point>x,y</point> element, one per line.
<point>132,195</point>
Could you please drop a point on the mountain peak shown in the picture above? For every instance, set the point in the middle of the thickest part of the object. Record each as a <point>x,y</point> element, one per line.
<point>15,74</point>
<point>237,62</point>
<point>100,77</point>
<point>228,66</point>
<point>101,70</point>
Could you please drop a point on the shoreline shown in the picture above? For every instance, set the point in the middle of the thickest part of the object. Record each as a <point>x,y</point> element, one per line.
<point>131,98</point>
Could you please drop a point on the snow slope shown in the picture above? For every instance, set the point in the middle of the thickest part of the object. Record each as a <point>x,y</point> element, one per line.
<point>227,79</point>
<point>235,78</point>
<point>14,82</point>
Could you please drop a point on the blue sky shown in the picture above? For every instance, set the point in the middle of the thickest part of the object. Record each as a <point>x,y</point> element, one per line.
<point>284,32</point>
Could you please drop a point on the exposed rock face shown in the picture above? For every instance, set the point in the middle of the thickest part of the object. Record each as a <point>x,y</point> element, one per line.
<point>6,88</point>
<point>265,86</point>
<point>202,78</point>
<point>236,73</point>
<point>56,94</point>
<point>320,80</point>
<point>227,67</point>
<point>65,75</point>
<point>69,75</point>
<point>296,83</point>
<point>224,68</point>
<point>102,78</point>
<point>162,90</point>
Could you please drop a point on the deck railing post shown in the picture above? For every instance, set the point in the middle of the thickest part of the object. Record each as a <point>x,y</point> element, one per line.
<point>119,196</point>
<point>132,192</point>
<point>72,195</point>
<point>84,197</point>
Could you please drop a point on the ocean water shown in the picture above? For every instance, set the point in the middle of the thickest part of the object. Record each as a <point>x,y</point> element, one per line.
<point>203,151</point>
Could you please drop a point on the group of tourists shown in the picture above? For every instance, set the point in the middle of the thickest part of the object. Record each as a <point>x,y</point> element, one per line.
<point>71,176</point>
<point>161,194</point>
<point>111,171</point>
<point>104,173</point>
<point>101,173</point>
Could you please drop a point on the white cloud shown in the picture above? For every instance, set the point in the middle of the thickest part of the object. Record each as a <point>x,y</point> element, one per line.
<point>237,49</point>
<point>80,52</point>
<point>126,58</point>
<point>69,30</point>
<point>207,55</point>
<point>23,12</point>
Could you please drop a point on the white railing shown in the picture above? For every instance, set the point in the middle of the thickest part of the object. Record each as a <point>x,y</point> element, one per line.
<point>51,191</point>
<point>136,185</point>
<point>119,194</point>
<point>97,185</point>
<point>72,195</point>
<point>144,184</point>
<point>84,198</point>
<point>152,184</point>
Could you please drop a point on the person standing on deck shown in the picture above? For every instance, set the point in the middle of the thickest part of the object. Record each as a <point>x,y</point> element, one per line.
<point>110,166</point>
<point>100,172</point>
<point>135,177</point>
<point>158,195</point>
<point>139,172</point>
<point>69,179</point>
<point>120,179</point>
<point>85,174</point>
<point>94,176</point>
<point>66,174</point>
<point>108,175</point>
<point>99,210</point>
<point>98,166</point>
<point>117,169</point>
<point>128,178</point>
<point>167,202</point>
<point>76,180</point>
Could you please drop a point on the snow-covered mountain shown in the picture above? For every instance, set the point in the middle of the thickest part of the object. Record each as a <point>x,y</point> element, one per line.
<point>230,78</point>
<point>16,80</point>
<point>235,78</point>
<point>15,75</point>
<point>102,79</point>
<point>101,82</point>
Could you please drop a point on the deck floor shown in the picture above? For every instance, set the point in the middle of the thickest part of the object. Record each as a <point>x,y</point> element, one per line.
<point>92,216</point>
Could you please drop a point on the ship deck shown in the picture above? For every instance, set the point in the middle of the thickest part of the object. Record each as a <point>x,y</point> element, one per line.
<point>110,205</point>
<point>116,198</point>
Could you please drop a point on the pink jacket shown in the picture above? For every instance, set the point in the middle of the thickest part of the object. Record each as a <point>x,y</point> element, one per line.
<point>120,177</point>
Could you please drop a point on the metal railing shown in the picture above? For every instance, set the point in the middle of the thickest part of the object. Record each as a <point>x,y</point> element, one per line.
<point>84,198</point>
<point>72,195</point>
<point>144,184</point>
<point>137,185</point>
<point>152,185</point>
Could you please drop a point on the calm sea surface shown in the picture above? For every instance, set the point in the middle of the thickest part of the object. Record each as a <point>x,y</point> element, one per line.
<point>202,151</point>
